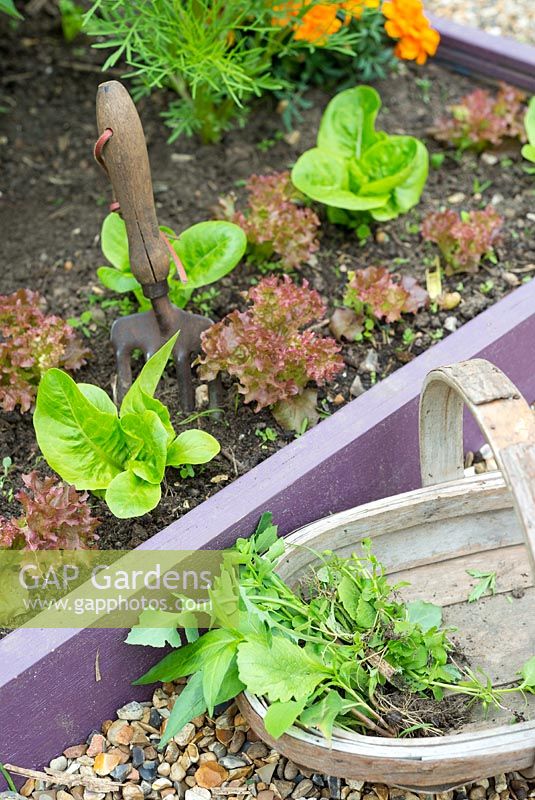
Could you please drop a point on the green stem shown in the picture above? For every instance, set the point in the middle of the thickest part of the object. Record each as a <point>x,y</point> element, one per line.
<point>8,779</point>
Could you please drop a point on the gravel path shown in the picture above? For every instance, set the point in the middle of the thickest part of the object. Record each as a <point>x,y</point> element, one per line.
<point>500,17</point>
<point>210,759</point>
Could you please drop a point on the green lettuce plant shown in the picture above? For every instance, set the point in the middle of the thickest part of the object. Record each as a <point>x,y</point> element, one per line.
<point>119,455</point>
<point>208,251</point>
<point>528,151</point>
<point>356,169</point>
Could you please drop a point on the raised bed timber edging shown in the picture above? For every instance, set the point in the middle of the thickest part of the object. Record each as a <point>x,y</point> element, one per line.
<point>49,696</point>
<point>473,51</point>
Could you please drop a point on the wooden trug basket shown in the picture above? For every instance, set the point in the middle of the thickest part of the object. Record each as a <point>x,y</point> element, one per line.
<point>430,537</point>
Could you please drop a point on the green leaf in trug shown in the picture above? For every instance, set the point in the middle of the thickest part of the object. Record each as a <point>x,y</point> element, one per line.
<point>114,242</point>
<point>348,122</point>
<point>349,596</point>
<point>209,251</point>
<point>192,447</point>
<point>425,615</point>
<point>117,281</point>
<point>128,496</point>
<point>266,533</point>
<point>282,671</point>
<point>189,704</point>
<point>8,7</point>
<point>83,444</point>
<point>322,714</point>
<point>188,659</point>
<point>528,673</point>
<point>214,668</point>
<point>280,716</point>
<point>156,628</point>
<point>147,439</point>
<point>366,614</point>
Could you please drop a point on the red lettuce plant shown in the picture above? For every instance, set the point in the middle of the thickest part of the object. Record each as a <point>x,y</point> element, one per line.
<point>268,351</point>
<point>30,343</point>
<point>273,222</point>
<point>481,120</point>
<point>463,240</point>
<point>55,517</point>
<point>378,293</point>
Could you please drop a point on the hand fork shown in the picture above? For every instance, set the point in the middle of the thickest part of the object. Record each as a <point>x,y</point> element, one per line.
<point>122,151</point>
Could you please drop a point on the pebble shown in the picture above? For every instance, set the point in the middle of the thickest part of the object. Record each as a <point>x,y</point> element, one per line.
<point>121,772</point>
<point>371,362</point>
<point>11,796</point>
<point>161,783</point>
<point>97,745</point>
<point>266,794</point>
<point>357,388</point>
<point>451,324</point>
<point>75,751</point>
<point>197,793</point>
<point>284,788</point>
<point>106,763</point>
<point>236,742</point>
<point>148,770</point>
<point>131,711</point>
<point>132,791</point>
<point>184,736</point>
<point>290,770</point>
<point>456,198</point>
<point>177,773</point>
<point>120,732</point>
<point>259,750</point>
<point>266,773</point>
<point>232,762</point>
<point>302,789</point>
<point>489,158</point>
<point>211,774</point>
<point>59,764</point>
<point>335,785</point>
<point>201,395</point>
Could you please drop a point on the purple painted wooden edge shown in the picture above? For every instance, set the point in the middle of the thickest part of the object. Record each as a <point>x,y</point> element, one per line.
<point>48,694</point>
<point>474,51</point>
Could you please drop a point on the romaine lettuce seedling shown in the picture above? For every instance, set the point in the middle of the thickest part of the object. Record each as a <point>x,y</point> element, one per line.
<point>355,168</point>
<point>208,251</point>
<point>119,455</point>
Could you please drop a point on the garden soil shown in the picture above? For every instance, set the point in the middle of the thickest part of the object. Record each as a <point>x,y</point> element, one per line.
<point>53,199</point>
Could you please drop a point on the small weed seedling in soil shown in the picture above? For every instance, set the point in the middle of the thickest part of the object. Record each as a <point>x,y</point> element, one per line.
<point>339,648</point>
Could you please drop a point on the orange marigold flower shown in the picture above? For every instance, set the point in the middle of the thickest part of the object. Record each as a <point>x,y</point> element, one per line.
<point>405,20</point>
<point>318,23</point>
<point>354,8</point>
<point>286,12</point>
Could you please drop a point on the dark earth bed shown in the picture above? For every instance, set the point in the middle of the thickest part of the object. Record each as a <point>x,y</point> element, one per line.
<point>53,199</point>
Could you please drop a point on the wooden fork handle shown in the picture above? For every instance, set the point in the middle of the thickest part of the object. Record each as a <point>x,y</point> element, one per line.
<point>126,160</point>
